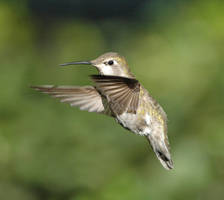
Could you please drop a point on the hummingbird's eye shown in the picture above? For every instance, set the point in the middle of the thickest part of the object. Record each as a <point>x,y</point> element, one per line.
<point>110,62</point>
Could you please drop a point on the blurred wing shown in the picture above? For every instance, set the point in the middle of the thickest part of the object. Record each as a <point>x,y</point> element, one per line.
<point>86,98</point>
<point>122,93</point>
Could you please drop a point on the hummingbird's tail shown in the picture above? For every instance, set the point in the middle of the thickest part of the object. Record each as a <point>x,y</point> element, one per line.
<point>161,149</point>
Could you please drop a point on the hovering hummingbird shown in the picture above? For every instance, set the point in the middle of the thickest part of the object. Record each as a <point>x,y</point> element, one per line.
<point>117,93</point>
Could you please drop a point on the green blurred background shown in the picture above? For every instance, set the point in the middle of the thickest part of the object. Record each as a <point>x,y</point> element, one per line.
<point>50,151</point>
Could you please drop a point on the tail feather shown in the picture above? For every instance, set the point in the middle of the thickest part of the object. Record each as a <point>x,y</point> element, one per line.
<point>161,150</point>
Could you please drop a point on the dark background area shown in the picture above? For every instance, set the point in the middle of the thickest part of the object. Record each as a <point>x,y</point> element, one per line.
<point>51,151</point>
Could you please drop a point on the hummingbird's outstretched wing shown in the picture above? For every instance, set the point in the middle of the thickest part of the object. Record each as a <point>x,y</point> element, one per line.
<point>122,93</point>
<point>86,98</point>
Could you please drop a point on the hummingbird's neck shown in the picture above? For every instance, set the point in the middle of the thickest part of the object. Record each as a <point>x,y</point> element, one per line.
<point>116,71</point>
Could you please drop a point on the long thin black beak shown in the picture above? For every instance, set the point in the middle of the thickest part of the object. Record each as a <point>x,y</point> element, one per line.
<point>77,63</point>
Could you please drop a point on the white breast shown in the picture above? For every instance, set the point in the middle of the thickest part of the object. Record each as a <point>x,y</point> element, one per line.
<point>128,120</point>
<point>132,122</point>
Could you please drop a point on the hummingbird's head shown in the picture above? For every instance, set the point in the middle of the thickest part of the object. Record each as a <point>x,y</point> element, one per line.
<point>111,64</point>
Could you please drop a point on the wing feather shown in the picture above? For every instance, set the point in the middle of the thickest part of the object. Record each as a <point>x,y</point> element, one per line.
<point>86,98</point>
<point>122,93</point>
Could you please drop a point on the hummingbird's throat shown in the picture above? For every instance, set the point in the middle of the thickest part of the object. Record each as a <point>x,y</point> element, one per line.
<point>106,70</point>
<point>112,71</point>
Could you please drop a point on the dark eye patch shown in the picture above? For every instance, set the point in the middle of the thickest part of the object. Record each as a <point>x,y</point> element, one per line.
<point>110,62</point>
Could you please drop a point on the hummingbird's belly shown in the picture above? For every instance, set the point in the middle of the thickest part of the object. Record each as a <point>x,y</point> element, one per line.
<point>136,123</point>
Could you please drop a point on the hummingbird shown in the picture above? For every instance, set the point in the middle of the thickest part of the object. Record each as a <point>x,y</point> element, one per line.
<point>118,94</point>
